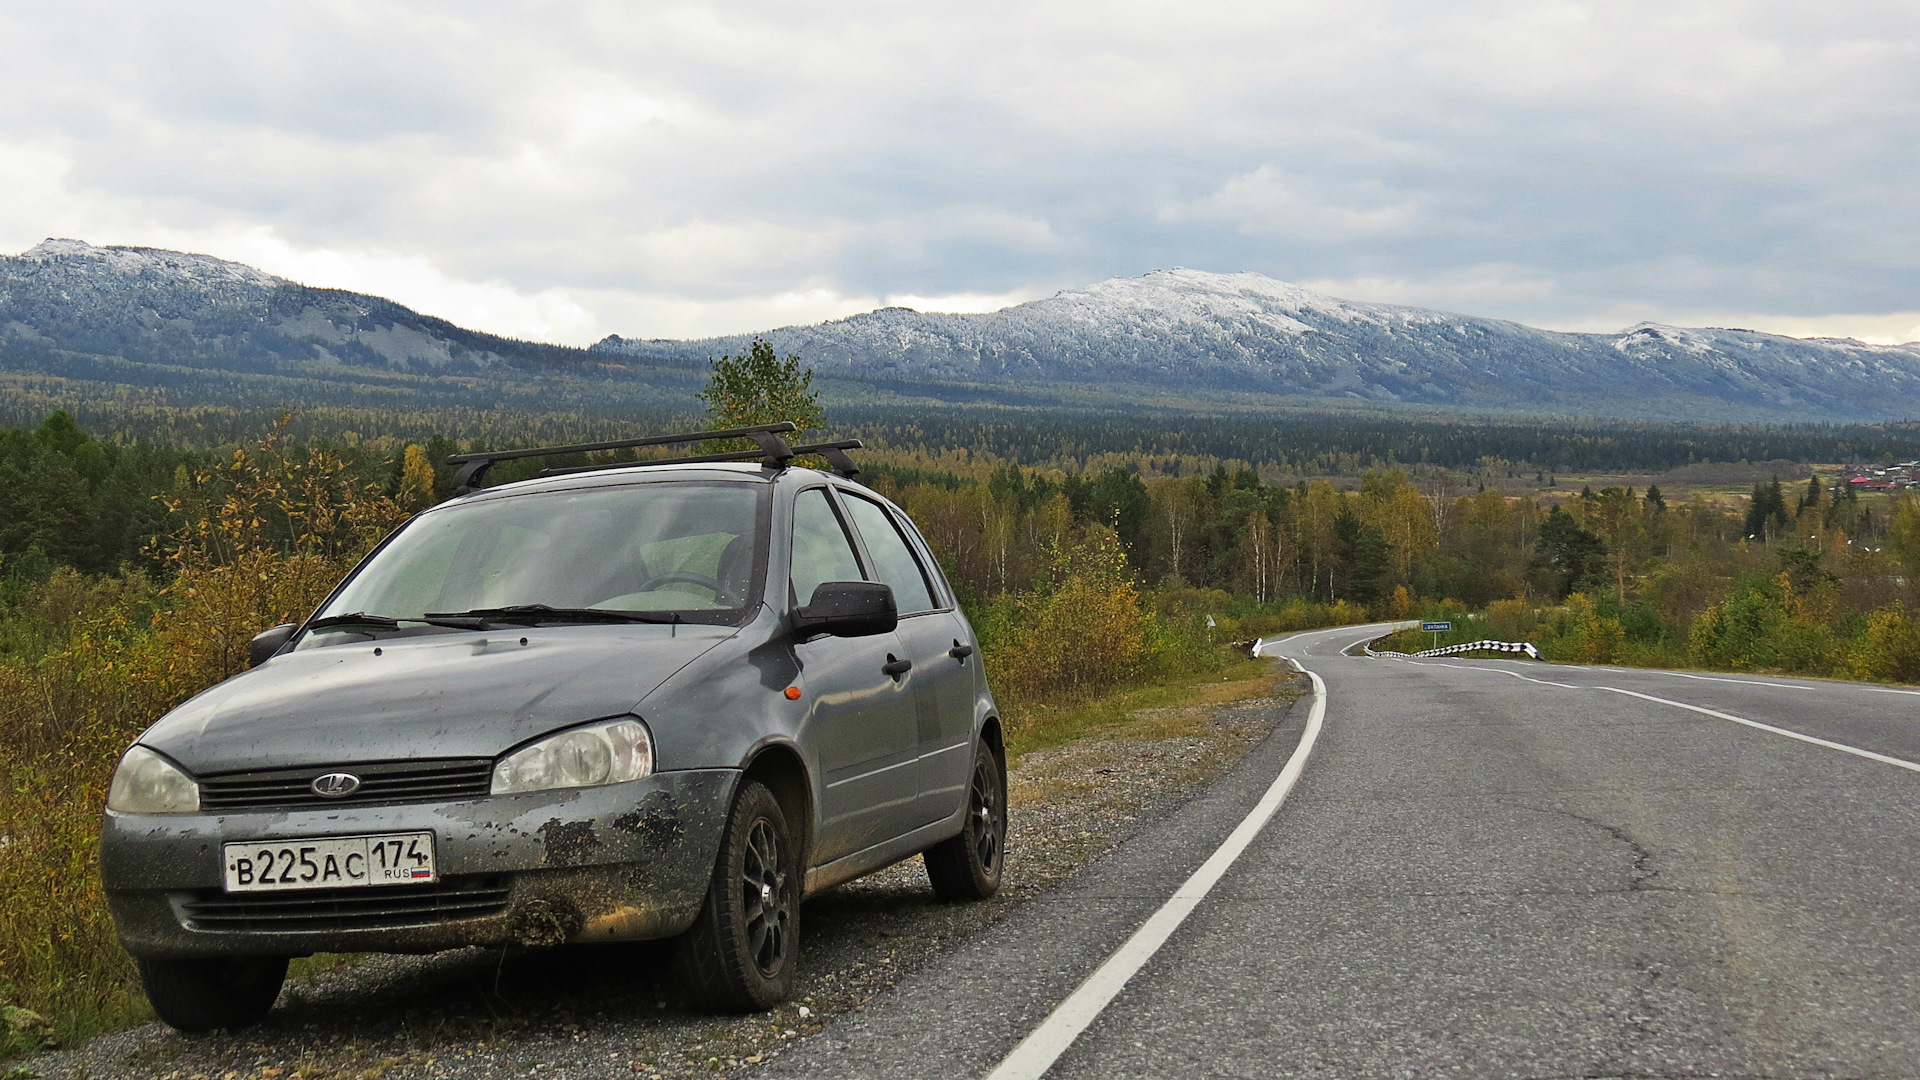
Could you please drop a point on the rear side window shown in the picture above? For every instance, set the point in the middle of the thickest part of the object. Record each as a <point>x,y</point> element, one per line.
<point>893,561</point>
<point>821,550</point>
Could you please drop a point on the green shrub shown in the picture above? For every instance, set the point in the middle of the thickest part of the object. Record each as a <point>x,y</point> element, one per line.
<point>1889,650</point>
<point>95,660</point>
<point>1764,626</point>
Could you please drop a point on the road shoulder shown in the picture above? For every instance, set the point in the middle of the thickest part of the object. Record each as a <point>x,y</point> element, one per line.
<point>971,1004</point>
<point>616,1010</point>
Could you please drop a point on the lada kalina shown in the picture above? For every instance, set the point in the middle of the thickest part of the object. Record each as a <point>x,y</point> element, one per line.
<point>605,704</point>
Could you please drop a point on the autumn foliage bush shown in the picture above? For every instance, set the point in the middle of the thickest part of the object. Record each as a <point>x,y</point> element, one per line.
<point>1081,631</point>
<point>1889,651</point>
<point>260,539</point>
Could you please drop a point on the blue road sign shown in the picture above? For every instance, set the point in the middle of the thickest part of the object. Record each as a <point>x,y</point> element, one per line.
<point>1435,627</point>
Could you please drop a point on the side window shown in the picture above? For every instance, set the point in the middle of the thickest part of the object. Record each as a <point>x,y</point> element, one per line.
<point>821,550</point>
<point>893,561</point>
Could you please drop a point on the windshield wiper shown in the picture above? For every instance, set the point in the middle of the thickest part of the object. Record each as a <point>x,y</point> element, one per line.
<point>388,622</point>
<point>539,613</point>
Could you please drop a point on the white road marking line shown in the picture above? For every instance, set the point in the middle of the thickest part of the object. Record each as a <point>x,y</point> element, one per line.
<point>1702,678</point>
<point>1044,1045</point>
<point>1743,682</point>
<point>1836,685</point>
<point>1870,755</point>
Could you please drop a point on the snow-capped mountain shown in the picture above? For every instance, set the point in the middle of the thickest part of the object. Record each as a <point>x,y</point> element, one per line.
<point>205,329</point>
<point>166,307</point>
<point>1183,329</point>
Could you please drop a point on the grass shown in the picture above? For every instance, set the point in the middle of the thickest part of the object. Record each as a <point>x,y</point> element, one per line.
<point>1037,726</point>
<point>112,1000</point>
<point>96,1002</point>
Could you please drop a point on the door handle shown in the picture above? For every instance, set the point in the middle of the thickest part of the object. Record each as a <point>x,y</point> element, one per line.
<point>896,667</point>
<point>960,652</point>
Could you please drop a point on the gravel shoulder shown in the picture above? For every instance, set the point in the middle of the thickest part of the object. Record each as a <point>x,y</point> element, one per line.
<point>617,1010</point>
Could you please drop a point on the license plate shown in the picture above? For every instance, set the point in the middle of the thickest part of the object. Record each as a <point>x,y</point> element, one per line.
<point>336,862</point>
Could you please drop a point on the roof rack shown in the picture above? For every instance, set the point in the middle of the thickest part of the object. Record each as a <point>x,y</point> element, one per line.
<point>834,452</point>
<point>774,453</point>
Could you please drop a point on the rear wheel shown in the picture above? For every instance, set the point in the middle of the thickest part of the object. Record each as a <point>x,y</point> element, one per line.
<point>213,992</point>
<point>967,867</point>
<point>739,955</point>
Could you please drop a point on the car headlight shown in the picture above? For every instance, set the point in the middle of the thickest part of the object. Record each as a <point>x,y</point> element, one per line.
<point>610,752</point>
<point>146,783</point>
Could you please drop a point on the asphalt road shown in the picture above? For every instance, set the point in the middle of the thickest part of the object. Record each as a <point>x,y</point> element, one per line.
<point>1480,873</point>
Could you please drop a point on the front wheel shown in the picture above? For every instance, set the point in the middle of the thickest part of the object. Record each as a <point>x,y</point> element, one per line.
<point>968,866</point>
<point>215,992</point>
<point>739,955</point>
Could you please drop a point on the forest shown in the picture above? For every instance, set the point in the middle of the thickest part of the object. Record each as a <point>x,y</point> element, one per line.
<point>133,571</point>
<point>1190,529</point>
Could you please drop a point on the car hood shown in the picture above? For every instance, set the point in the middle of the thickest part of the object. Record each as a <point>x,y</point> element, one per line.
<point>459,695</point>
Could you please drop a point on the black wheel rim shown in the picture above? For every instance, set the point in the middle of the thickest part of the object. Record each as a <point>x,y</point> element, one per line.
<point>766,898</point>
<point>984,809</point>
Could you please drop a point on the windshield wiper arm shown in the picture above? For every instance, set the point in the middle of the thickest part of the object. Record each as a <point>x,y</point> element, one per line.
<point>357,618</point>
<point>538,613</point>
<point>388,622</point>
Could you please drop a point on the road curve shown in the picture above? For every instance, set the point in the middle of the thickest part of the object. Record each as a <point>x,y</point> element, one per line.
<point>1487,868</point>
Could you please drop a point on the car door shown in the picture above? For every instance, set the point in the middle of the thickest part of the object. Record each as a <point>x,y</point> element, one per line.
<point>940,646</point>
<point>861,722</point>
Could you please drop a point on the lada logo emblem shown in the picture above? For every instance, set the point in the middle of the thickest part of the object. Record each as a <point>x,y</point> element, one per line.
<point>335,785</point>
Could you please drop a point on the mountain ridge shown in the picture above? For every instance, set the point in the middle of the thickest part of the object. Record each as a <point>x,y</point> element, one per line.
<point>151,304</point>
<point>1249,332</point>
<point>202,327</point>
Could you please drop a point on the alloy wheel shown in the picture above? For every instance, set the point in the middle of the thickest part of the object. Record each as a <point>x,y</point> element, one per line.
<point>766,896</point>
<point>984,805</point>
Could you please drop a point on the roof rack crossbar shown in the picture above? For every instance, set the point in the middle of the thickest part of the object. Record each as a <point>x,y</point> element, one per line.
<point>834,452</point>
<point>772,447</point>
<point>836,455</point>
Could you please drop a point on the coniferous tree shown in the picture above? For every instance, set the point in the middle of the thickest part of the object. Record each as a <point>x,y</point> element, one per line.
<point>1767,511</point>
<point>1756,524</point>
<point>1361,554</point>
<point>1573,558</point>
<point>1116,498</point>
<point>1812,496</point>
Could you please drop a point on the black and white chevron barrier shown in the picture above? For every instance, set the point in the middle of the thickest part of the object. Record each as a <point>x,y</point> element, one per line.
<point>1525,648</point>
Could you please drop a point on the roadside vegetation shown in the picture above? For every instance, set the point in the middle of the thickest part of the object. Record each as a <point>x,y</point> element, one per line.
<point>1790,581</point>
<point>241,540</point>
<point>133,573</point>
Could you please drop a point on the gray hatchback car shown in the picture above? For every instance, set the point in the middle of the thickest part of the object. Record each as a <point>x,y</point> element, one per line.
<point>606,704</point>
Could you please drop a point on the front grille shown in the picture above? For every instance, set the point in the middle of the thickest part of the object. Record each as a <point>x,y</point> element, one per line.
<point>380,782</point>
<point>368,908</point>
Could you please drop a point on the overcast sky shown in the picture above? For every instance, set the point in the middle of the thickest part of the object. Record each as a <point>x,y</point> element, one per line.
<point>560,171</point>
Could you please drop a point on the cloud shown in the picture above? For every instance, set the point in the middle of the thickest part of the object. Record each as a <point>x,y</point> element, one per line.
<point>1474,289</point>
<point>1267,201</point>
<point>562,171</point>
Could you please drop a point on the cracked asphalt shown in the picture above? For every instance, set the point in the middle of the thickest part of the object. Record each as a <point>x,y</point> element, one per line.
<point>1483,876</point>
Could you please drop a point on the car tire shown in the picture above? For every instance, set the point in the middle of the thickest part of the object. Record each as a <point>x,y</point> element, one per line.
<point>205,994</point>
<point>968,866</point>
<point>740,954</point>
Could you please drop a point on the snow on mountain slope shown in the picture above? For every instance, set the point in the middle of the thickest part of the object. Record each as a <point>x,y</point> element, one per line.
<point>1171,331</point>
<point>1188,329</point>
<point>168,307</point>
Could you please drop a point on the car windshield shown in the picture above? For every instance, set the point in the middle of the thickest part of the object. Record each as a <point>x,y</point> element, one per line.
<point>680,549</point>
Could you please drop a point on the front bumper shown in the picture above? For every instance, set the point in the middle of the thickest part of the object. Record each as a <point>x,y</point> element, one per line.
<point>618,863</point>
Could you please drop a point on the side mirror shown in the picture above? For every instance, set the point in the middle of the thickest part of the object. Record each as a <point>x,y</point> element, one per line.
<point>848,609</point>
<point>267,642</point>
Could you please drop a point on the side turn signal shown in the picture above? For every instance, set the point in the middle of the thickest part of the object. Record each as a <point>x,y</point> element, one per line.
<point>793,693</point>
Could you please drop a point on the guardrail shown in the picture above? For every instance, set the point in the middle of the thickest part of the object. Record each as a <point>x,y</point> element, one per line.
<point>1525,648</point>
